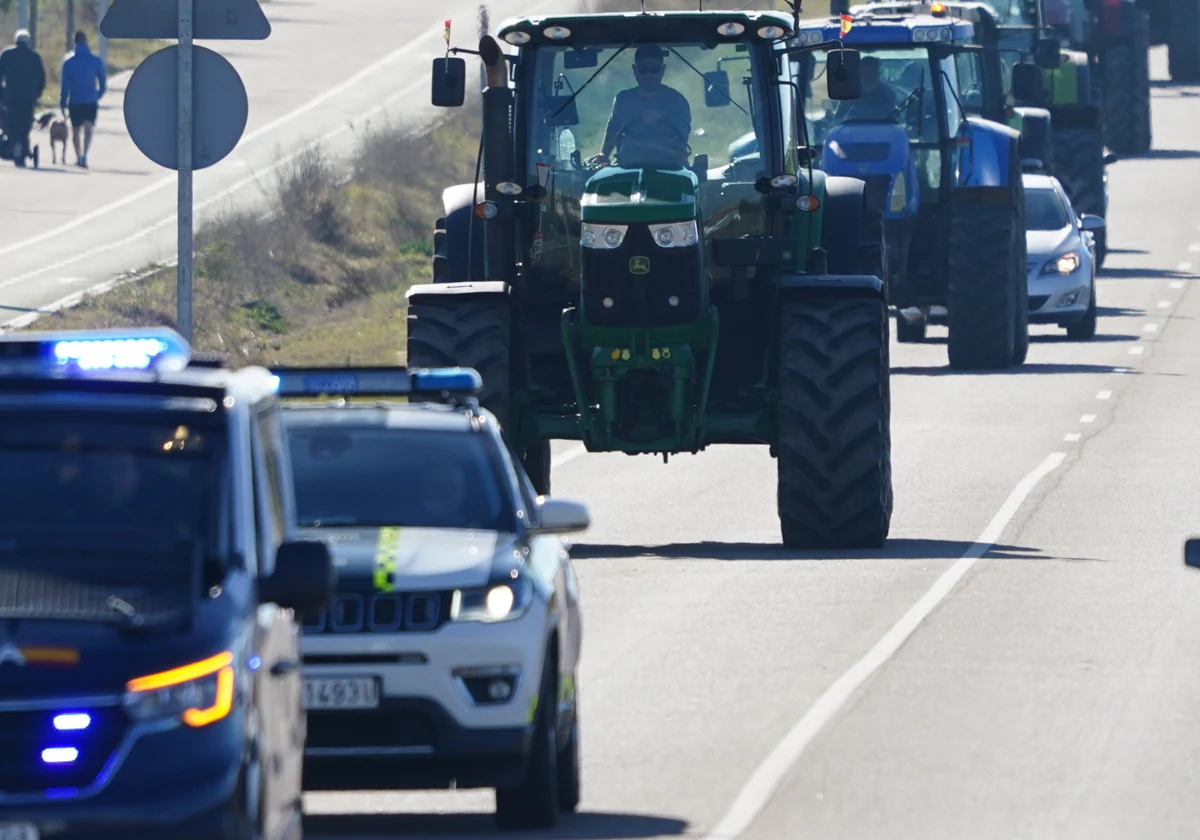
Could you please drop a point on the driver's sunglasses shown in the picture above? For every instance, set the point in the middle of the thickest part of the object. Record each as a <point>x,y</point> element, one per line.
<point>648,70</point>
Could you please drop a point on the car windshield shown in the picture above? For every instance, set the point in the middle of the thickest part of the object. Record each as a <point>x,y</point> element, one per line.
<point>1044,210</point>
<point>377,476</point>
<point>95,507</point>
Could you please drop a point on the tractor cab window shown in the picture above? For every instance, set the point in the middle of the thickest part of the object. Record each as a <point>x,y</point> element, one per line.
<point>1012,12</point>
<point>899,88</point>
<point>970,79</point>
<point>636,105</point>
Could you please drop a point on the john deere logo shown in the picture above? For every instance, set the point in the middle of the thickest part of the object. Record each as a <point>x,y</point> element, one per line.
<point>639,265</point>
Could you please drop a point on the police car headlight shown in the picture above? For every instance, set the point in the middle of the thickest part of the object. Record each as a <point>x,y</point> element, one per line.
<point>498,602</point>
<point>198,694</point>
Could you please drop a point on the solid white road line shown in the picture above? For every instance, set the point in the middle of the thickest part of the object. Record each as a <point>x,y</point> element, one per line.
<point>770,774</point>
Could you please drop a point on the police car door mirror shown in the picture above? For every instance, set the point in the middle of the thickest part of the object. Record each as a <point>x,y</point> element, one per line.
<point>1046,53</point>
<point>304,578</point>
<point>560,516</point>
<point>449,82</point>
<point>1026,83</point>
<point>1089,222</point>
<point>716,89</point>
<point>1191,553</point>
<point>843,74</point>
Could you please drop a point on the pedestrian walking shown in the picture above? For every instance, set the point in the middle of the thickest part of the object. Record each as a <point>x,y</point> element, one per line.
<point>83,83</point>
<point>23,76</point>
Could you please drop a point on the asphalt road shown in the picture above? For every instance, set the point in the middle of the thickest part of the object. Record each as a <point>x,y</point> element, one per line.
<point>1022,660</point>
<point>330,68</point>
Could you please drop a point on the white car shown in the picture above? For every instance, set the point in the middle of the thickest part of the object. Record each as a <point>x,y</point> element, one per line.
<point>1062,258</point>
<point>450,652</point>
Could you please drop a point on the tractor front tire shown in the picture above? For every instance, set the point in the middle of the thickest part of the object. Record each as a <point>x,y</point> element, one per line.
<point>1127,129</point>
<point>834,448</point>
<point>982,300</point>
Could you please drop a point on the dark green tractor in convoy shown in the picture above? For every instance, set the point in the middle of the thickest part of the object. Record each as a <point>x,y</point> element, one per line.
<point>666,301</point>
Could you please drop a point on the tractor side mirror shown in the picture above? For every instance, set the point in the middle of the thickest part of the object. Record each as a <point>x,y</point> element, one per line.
<point>1046,53</point>
<point>1027,83</point>
<point>716,89</point>
<point>843,74</point>
<point>449,82</point>
<point>561,111</point>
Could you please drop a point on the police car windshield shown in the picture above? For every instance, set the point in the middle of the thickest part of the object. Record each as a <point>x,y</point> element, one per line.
<point>373,476</point>
<point>1044,210</point>
<point>101,507</point>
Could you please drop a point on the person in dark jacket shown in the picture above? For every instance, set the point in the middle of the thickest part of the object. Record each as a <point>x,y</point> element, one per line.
<point>83,83</point>
<point>23,76</point>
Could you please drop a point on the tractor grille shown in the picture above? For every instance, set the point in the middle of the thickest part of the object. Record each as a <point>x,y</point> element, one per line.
<point>642,300</point>
<point>25,734</point>
<point>1036,302</point>
<point>382,612</point>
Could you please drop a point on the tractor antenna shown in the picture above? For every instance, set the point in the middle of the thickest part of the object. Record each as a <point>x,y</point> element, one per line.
<point>643,6</point>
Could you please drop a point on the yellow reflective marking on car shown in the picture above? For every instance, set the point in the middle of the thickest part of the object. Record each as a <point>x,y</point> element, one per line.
<point>533,704</point>
<point>385,559</point>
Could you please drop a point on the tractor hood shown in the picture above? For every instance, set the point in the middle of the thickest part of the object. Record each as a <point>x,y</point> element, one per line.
<point>615,195</point>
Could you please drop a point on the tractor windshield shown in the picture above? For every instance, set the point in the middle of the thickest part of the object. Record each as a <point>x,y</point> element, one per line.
<point>667,105</point>
<point>1012,12</point>
<point>900,87</point>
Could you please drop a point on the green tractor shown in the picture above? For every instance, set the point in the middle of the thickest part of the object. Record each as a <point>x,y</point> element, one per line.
<point>664,301</point>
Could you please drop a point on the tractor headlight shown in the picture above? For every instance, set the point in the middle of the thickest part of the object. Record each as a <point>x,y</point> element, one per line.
<point>675,234</point>
<point>603,236</point>
<point>499,602</point>
<point>1064,265</point>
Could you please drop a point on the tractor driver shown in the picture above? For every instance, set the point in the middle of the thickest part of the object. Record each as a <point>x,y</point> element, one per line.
<point>650,124</point>
<point>878,100</point>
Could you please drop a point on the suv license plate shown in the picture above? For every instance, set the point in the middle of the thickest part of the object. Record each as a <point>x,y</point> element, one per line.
<point>18,831</point>
<point>338,693</point>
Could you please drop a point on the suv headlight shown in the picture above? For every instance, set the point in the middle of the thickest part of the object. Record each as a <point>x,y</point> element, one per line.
<point>1066,264</point>
<point>198,694</point>
<point>675,234</point>
<point>496,602</point>
<point>603,237</point>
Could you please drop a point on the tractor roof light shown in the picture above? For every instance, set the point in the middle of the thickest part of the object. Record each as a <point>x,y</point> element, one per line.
<point>731,29</point>
<point>938,10</point>
<point>557,33</point>
<point>518,38</point>
<point>771,33</point>
<point>509,188</point>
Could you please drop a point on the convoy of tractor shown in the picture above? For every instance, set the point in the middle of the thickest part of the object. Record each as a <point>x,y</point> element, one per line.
<point>712,259</point>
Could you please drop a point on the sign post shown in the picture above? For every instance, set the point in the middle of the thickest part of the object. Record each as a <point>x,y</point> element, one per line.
<point>185,106</point>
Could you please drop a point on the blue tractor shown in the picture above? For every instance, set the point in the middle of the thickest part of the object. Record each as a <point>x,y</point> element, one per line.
<point>947,183</point>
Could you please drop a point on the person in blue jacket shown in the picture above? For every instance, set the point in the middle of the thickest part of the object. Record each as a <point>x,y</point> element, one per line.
<point>83,83</point>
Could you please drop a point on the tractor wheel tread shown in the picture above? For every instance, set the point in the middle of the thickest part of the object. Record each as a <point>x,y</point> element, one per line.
<point>1126,70</point>
<point>982,300</point>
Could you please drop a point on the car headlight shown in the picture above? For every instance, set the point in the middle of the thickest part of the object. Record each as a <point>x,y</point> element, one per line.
<point>1066,264</point>
<point>603,237</point>
<point>675,234</point>
<point>198,694</point>
<point>497,602</point>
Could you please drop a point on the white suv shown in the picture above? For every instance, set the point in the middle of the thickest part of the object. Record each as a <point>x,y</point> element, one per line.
<point>450,652</point>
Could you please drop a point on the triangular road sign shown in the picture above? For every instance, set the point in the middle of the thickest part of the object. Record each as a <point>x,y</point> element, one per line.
<point>212,20</point>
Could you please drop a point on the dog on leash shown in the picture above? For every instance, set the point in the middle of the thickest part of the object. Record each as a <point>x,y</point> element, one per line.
<point>58,133</point>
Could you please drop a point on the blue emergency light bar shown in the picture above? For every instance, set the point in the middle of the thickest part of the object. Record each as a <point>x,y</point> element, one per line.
<point>376,381</point>
<point>81,351</point>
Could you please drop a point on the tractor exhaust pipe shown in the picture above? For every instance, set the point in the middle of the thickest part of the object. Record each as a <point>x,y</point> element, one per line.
<point>499,233</point>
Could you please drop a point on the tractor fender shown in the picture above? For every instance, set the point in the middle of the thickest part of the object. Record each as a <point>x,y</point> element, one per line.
<point>792,286</point>
<point>878,153</point>
<point>985,160</point>
<point>474,288</point>
<point>462,226</point>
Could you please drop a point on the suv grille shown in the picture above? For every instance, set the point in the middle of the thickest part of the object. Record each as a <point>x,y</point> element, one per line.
<point>382,612</point>
<point>25,734</point>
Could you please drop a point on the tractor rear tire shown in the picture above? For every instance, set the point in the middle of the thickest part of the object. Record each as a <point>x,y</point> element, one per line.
<point>1080,166</point>
<point>1183,40</point>
<point>834,448</point>
<point>982,299</point>
<point>455,330</point>
<point>1127,128</point>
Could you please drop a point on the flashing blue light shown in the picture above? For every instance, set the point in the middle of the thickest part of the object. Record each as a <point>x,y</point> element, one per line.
<point>59,755</point>
<point>375,382</point>
<point>72,722</point>
<point>255,662</point>
<point>88,350</point>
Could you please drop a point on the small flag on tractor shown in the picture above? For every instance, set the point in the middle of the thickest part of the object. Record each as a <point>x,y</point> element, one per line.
<point>847,22</point>
<point>446,33</point>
